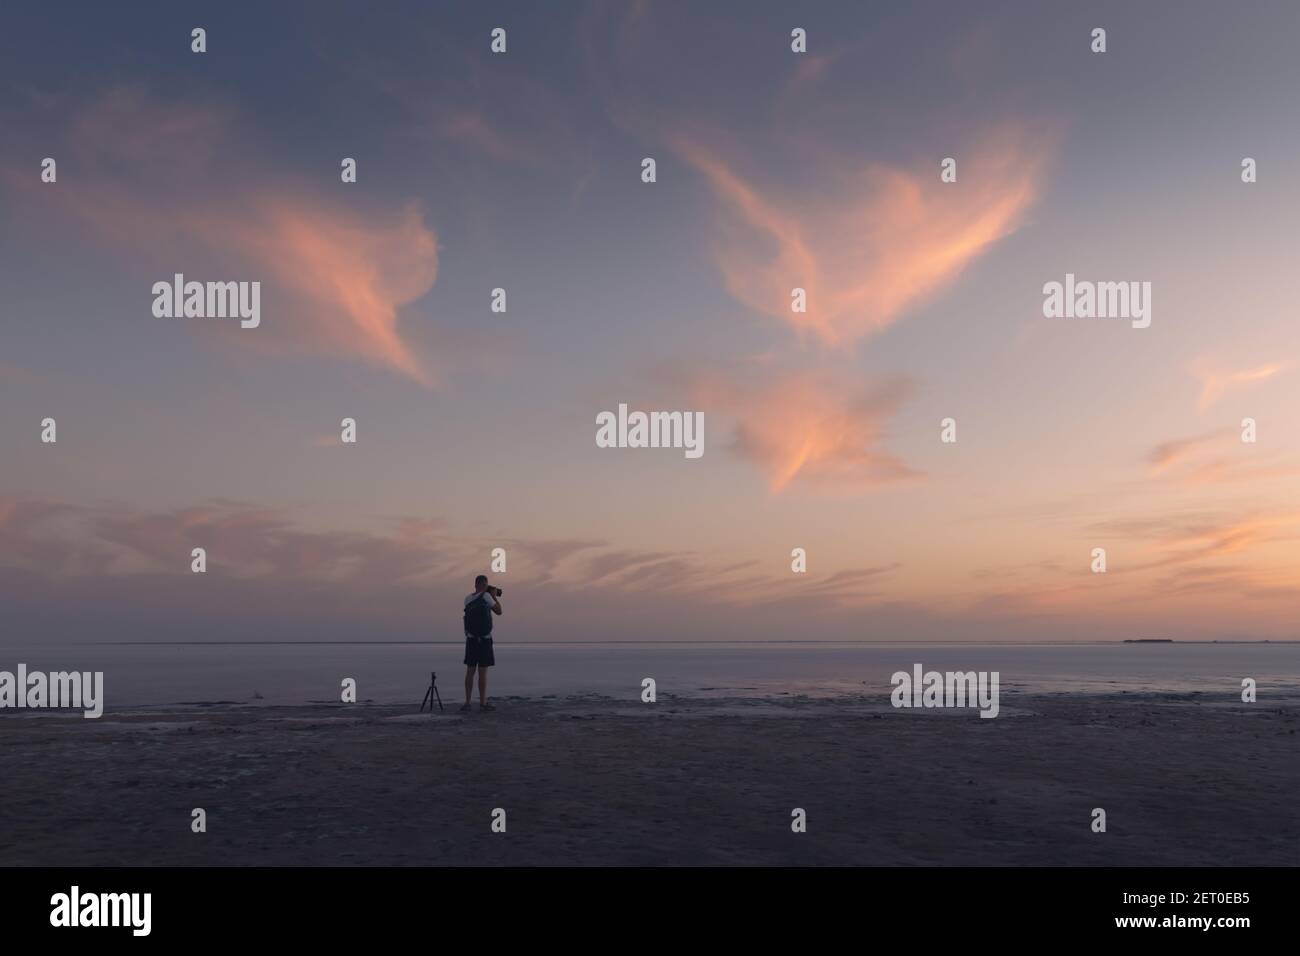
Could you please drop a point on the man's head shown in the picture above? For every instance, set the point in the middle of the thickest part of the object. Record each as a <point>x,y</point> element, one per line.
<point>480,584</point>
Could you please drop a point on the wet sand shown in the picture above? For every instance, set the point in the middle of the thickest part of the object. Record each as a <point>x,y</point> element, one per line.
<point>1184,780</point>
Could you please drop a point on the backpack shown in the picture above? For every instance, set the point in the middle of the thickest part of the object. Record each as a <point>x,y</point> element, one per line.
<point>478,618</point>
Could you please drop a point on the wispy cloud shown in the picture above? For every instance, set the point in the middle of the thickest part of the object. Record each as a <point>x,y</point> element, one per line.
<point>1182,538</point>
<point>338,275</point>
<point>59,540</point>
<point>501,114</point>
<point>805,425</point>
<point>1215,383</point>
<point>867,243</point>
<point>1216,457</point>
<point>1169,453</point>
<point>17,374</point>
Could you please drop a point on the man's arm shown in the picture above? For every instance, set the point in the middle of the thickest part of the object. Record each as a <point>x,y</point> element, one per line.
<point>496,605</point>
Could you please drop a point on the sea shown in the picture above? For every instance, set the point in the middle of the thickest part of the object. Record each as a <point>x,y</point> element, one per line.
<point>140,674</point>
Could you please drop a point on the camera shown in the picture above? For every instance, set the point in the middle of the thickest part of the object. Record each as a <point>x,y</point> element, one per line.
<point>495,592</point>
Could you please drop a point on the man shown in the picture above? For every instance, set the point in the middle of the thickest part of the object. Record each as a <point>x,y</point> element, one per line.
<point>479,608</point>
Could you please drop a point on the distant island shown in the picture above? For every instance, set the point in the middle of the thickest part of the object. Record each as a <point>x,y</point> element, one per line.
<point>1170,640</point>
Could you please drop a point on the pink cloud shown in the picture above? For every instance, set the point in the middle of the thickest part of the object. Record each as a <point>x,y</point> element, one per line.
<point>866,243</point>
<point>1215,457</point>
<point>348,275</point>
<point>1215,383</point>
<point>804,426</point>
<point>1171,452</point>
<point>1180,538</point>
<point>267,546</point>
<point>338,275</point>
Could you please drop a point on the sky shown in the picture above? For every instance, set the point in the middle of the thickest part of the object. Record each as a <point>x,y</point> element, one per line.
<point>774,170</point>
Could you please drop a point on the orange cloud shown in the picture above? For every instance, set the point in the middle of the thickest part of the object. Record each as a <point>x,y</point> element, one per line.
<point>1221,470</point>
<point>348,276</point>
<point>1169,453</point>
<point>801,426</point>
<point>1215,457</point>
<point>337,277</point>
<point>866,244</point>
<point>1215,384</point>
<point>1184,538</point>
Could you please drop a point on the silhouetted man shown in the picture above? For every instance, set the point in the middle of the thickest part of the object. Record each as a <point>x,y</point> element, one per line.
<point>479,608</point>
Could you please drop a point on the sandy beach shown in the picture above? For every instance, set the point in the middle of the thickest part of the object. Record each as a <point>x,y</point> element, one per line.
<point>1184,780</point>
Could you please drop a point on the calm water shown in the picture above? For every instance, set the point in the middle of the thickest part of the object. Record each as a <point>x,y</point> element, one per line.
<point>390,673</point>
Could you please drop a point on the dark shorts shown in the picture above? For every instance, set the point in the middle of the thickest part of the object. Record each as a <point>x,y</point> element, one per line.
<point>478,652</point>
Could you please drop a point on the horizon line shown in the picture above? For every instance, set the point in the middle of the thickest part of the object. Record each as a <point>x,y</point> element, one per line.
<point>1116,641</point>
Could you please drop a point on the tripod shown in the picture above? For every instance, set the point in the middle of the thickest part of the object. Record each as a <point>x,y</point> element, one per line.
<point>432,693</point>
